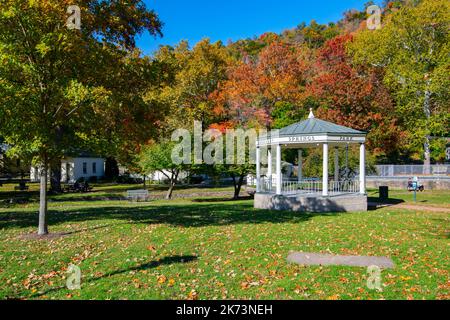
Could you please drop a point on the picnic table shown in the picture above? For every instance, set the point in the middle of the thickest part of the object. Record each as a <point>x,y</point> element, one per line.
<point>136,195</point>
<point>77,187</point>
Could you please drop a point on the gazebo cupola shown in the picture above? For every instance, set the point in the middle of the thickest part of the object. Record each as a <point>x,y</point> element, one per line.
<point>311,133</point>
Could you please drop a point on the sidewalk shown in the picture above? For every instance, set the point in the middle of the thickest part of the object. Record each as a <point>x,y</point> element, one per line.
<point>409,207</point>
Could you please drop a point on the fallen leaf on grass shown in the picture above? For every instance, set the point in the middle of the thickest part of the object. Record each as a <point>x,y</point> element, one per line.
<point>193,295</point>
<point>162,279</point>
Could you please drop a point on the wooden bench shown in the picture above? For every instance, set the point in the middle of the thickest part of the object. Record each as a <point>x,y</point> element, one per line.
<point>136,195</point>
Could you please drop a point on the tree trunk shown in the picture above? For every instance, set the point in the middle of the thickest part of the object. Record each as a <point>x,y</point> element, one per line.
<point>427,156</point>
<point>238,187</point>
<point>55,176</point>
<point>43,229</point>
<point>237,191</point>
<point>111,168</point>
<point>426,146</point>
<point>170,191</point>
<point>173,182</point>
<point>145,181</point>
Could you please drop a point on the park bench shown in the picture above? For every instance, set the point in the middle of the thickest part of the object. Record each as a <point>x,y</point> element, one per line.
<point>137,195</point>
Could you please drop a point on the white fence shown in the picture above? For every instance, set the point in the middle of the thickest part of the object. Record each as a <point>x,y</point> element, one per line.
<point>267,185</point>
<point>307,186</point>
<point>311,186</point>
<point>350,186</point>
<point>412,170</point>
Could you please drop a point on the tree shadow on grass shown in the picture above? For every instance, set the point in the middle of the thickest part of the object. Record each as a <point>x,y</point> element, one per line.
<point>377,203</point>
<point>19,196</point>
<point>145,266</point>
<point>189,215</point>
<point>149,265</point>
<point>51,236</point>
<point>213,200</point>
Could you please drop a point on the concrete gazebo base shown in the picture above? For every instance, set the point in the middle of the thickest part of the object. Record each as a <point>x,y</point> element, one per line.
<point>312,203</point>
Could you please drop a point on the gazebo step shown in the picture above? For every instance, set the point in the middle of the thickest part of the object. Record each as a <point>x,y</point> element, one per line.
<point>338,203</point>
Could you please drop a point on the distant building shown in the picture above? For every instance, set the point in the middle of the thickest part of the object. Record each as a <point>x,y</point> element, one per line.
<point>75,168</point>
<point>160,177</point>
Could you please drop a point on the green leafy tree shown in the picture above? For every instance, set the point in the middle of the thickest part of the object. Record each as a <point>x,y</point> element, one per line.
<point>157,157</point>
<point>413,48</point>
<point>56,83</point>
<point>191,77</point>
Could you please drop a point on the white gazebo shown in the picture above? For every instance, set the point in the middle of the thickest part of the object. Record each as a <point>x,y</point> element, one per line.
<point>303,194</point>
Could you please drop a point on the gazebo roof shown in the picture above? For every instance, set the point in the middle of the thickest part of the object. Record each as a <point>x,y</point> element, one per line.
<point>313,126</point>
<point>310,133</point>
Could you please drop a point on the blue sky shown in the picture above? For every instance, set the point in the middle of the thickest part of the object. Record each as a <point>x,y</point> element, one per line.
<point>223,20</point>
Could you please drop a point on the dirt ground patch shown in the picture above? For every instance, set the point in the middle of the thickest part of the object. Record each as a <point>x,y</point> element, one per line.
<point>410,207</point>
<point>424,208</point>
<point>47,237</point>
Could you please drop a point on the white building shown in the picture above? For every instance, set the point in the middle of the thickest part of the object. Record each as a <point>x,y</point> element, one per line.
<point>160,177</point>
<point>72,169</point>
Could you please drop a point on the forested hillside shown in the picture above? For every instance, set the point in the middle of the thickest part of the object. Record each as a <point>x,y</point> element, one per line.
<point>392,82</point>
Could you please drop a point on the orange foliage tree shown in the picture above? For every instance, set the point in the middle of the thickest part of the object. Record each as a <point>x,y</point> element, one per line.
<point>354,97</point>
<point>255,87</point>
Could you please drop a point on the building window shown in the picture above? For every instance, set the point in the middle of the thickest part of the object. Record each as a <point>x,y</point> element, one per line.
<point>84,167</point>
<point>94,167</point>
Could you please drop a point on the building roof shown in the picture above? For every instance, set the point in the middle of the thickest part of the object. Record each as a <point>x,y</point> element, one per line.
<point>313,126</point>
<point>79,153</point>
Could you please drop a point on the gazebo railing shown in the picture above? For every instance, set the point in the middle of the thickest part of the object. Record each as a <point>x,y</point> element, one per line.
<point>349,186</point>
<point>268,185</point>
<point>309,186</point>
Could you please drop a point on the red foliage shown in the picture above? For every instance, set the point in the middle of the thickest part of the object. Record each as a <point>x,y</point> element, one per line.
<point>253,87</point>
<point>354,97</point>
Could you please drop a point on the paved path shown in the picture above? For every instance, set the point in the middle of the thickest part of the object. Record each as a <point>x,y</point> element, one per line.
<point>425,208</point>
<point>410,207</point>
<point>317,259</point>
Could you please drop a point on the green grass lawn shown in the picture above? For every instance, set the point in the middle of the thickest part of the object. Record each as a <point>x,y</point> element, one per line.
<point>102,192</point>
<point>440,198</point>
<point>216,249</point>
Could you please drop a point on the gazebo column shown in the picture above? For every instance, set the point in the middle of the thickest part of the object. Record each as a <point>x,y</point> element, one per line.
<point>300,165</point>
<point>258,169</point>
<point>279,173</point>
<point>362,169</point>
<point>336,164</point>
<point>269,167</point>
<point>325,170</point>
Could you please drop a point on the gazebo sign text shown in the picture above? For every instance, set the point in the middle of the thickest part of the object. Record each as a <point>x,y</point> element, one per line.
<point>302,139</point>
<point>310,139</point>
<point>313,139</point>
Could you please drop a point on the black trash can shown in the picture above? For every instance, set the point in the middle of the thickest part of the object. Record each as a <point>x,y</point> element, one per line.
<point>384,193</point>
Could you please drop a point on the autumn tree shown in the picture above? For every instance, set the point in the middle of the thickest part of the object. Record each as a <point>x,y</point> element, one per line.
<point>252,47</point>
<point>57,83</point>
<point>188,78</point>
<point>413,50</point>
<point>254,88</point>
<point>354,96</point>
